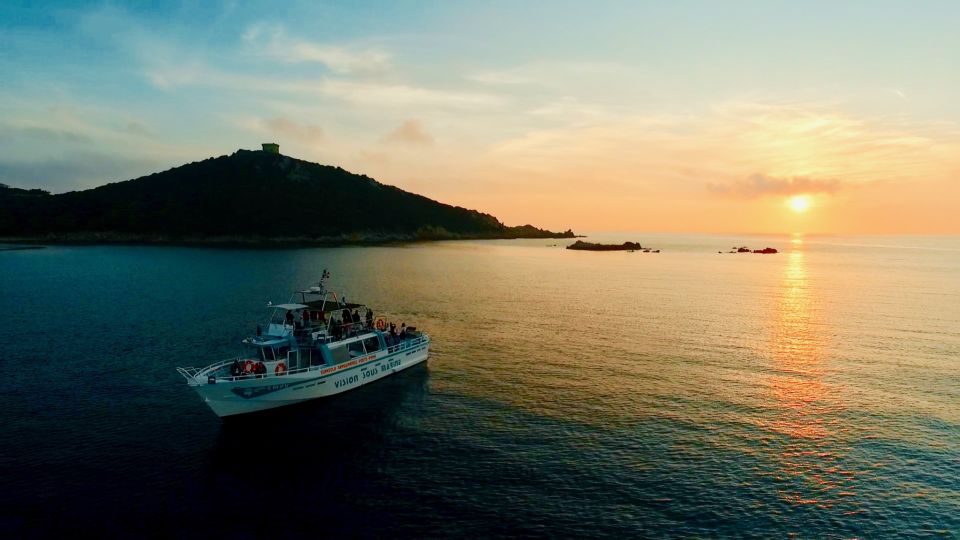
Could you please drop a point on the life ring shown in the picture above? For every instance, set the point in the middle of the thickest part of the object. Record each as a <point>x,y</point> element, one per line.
<point>248,366</point>
<point>381,324</point>
<point>280,369</point>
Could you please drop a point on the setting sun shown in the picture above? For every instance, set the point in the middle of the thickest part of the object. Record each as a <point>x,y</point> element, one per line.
<point>799,203</point>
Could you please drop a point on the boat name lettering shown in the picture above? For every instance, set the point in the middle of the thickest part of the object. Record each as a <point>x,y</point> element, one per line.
<point>392,364</point>
<point>346,380</point>
<point>248,393</point>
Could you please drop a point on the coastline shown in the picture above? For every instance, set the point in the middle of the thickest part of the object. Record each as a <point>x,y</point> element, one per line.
<point>261,242</point>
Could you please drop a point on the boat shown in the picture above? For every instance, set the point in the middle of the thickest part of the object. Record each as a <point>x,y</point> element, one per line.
<point>316,347</point>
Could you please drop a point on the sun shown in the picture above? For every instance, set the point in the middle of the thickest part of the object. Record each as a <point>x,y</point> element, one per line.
<point>799,203</point>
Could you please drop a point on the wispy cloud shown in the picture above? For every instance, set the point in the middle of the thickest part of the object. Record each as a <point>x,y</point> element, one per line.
<point>760,185</point>
<point>394,95</point>
<point>74,171</point>
<point>410,132</point>
<point>275,42</point>
<point>554,74</point>
<point>42,134</point>
<point>897,92</point>
<point>800,147</point>
<point>309,133</point>
<point>134,127</point>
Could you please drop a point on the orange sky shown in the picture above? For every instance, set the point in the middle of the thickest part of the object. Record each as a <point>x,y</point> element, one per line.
<point>640,116</point>
<point>731,170</point>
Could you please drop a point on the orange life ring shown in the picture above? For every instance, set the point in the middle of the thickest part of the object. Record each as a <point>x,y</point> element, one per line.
<point>280,369</point>
<point>248,366</point>
<point>381,324</point>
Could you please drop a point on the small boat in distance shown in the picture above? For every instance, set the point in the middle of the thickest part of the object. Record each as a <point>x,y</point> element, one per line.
<point>314,348</point>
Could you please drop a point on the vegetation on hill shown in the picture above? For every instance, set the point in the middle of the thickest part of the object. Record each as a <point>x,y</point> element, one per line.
<point>249,196</point>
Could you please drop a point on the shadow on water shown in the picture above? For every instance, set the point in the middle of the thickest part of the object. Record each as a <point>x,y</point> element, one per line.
<point>313,460</point>
<point>325,427</point>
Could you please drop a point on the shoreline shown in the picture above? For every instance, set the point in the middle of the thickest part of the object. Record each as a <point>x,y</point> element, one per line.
<point>252,242</point>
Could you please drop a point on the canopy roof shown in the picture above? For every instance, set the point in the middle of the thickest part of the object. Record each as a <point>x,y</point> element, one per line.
<point>313,290</point>
<point>288,307</point>
<point>332,306</point>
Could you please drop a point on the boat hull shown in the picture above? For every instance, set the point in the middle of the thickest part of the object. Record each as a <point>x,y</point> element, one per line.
<point>243,396</point>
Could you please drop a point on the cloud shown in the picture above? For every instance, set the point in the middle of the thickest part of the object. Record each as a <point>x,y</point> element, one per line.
<point>42,134</point>
<point>76,171</point>
<point>410,132</point>
<point>273,41</point>
<point>394,95</point>
<point>760,185</point>
<point>798,147</point>
<point>137,128</point>
<point>302,132</point>
<point>897,92</point>
<point>561,75</point>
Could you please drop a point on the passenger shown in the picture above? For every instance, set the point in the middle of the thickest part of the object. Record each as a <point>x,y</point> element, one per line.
<point>236,369</point>
<point>289,318</point>
<point>369,318</point>
<point>345,317</point>
<point>260,369</point>
<point>306,318</point>
<point>337,329</point>
<point>403,330</point>
<point>355,317</point>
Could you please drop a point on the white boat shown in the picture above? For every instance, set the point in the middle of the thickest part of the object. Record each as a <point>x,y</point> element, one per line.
<point>310,349</point>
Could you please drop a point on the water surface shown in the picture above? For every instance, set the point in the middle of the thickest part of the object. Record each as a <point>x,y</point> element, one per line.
<point>686,393</point>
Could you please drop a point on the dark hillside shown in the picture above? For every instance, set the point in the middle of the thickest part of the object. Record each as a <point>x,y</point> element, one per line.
<point>246,194</point>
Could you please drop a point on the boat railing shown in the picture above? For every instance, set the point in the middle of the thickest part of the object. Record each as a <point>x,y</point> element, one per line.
<point>194,375</point>
<point>406,344</point>
<point>191,373</point>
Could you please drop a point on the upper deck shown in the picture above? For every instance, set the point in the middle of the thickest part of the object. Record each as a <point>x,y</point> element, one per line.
<point>313,333</point>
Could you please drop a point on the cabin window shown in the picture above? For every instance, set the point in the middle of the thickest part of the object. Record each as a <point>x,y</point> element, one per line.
<point>356,348</point>
<point>371,344</point>
<point>265,354</point>
<point>339,354</point>
<point>282,351</point>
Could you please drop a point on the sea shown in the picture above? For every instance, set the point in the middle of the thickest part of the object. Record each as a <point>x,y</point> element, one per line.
<point>691,393</point>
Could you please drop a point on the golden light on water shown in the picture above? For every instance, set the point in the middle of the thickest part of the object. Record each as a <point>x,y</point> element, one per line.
<point>811,470</point>
<point>799,203</point>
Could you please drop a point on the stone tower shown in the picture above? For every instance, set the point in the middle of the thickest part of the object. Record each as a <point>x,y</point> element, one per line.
<point>273,148</point>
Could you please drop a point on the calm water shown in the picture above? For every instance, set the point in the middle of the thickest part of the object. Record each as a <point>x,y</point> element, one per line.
<point>688,393</point>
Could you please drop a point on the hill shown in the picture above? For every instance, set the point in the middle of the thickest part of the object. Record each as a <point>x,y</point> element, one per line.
<point>246,197</point>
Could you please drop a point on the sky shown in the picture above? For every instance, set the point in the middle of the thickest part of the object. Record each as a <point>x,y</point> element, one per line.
<point>682,116</point>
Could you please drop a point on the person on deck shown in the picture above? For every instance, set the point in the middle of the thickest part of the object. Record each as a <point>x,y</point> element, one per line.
<point>345,317</point>
<point>289,318</point>
<point>356,317</point>
<point>337,329</point>
<point>369,318</point>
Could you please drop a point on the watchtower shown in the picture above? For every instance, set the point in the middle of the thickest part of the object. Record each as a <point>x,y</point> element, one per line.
<point>273,148</point>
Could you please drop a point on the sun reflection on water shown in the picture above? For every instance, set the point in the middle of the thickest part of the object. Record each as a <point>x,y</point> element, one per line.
<point>807,408</point>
